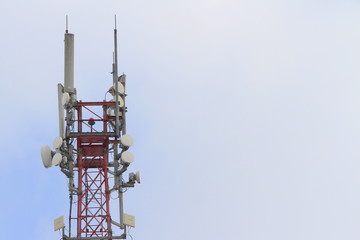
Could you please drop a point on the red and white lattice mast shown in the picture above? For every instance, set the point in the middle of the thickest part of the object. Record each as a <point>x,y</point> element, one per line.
<point>91,147</point>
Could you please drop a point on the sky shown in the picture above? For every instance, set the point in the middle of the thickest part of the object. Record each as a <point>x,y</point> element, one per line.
<point>245,114</point>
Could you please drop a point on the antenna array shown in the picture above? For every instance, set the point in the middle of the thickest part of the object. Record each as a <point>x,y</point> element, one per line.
<point>92,144</point>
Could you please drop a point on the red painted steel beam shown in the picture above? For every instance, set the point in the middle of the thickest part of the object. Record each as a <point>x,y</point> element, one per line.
<point>80,103</point>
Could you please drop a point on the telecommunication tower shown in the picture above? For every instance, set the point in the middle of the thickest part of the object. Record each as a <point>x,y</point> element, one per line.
<point>92,147</point>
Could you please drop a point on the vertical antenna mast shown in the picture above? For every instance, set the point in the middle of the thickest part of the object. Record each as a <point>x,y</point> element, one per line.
<point>117,129</point>
<point>115,45</point>
<point>116,82</point>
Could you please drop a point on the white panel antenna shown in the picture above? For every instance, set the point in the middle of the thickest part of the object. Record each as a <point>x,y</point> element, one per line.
<point>129,220</point>
<point>69,63</point>
<point>59,223</point>
<point>61,110</point>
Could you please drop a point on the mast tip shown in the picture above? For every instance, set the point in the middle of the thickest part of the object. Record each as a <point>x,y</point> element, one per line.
<point>66,30</point>
<point>115,22</point>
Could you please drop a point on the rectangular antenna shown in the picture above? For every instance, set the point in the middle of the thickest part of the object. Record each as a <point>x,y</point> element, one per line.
<point>61,110</point>
<point>69,63</point>
<point>59,223</point>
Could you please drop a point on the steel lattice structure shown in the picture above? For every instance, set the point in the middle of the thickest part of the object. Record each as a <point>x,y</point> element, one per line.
<point>93,203</point>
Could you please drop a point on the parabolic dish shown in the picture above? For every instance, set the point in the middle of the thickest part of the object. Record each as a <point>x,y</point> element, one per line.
<point>46,156</point>
<point>120,88</point>
<point>120,100</point>
<point>56,160</point>
<point>127,157</point>
<point>126,140</point>
<point>65,99</point>
<point>57,142</point>
<point>137,177</point>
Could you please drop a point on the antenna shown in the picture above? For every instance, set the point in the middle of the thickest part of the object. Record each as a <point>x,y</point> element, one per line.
<point>115,46</point>
<point>66,31</point>
<point>46,156</point>
<point>117,131</point>
<point>69,63</point>
<point>61,110</point>
<point>115,22</point>
<point>116,82</point>
<point>115,49</point>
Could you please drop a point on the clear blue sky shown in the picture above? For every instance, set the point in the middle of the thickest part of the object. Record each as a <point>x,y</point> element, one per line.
<point>245,114</point>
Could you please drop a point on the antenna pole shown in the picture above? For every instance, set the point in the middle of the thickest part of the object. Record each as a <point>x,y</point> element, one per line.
<point>117,127</point>
<point>116,82</point>
<point>67,29</point>
<point>115,45</point>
